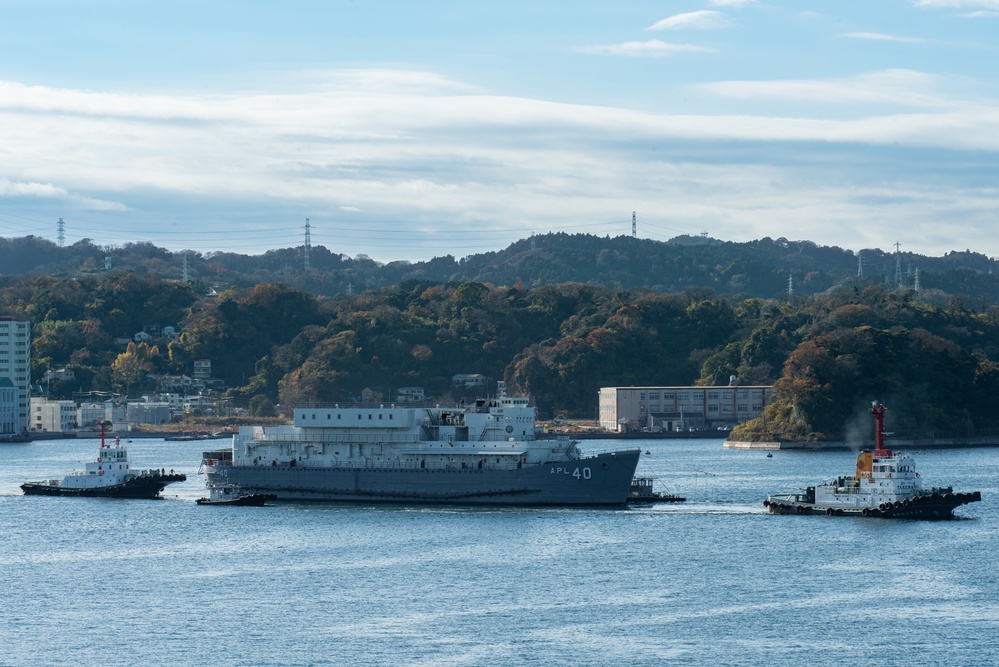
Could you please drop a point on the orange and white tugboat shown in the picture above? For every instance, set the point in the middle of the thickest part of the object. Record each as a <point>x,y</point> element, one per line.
<point>109,476</point>
<point>886,484</point>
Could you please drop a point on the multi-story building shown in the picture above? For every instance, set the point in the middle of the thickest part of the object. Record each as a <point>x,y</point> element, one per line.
<point>680,408</point>
<point>15,362</point>
<point>10,411</point>
<point>52,416</point>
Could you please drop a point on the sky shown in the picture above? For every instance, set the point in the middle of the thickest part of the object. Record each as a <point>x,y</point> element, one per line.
<point>405,131</point>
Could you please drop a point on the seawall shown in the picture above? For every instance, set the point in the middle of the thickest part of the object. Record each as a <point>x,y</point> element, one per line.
<point>900,443</point>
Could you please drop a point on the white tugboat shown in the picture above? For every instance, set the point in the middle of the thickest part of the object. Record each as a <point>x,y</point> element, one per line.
<point>886,484</point>
<point>110,475</point>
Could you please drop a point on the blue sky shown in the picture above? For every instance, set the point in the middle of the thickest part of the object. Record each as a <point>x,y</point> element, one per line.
<point>410,130</point>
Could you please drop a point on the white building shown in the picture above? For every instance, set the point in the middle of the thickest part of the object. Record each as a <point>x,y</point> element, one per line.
<point>52,416</point>
<point>90,414</point>
<point>469,380</point>
<point>202,369</point>
<point>15,362</point>
<point>680,408</point>
<point>410,395</point>
<point>10,410</point>
<point>146,412</point>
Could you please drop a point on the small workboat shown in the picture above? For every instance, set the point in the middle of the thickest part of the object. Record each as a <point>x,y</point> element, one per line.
<point>886,484</point>
<point>643,492</point>
<point>230,494</point>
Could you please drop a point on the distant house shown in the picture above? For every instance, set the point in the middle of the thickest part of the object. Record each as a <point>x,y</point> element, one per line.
<point>175,383</point>
<point>142,337</point>
<point>202,368</point>
<point>369,395</point>
<point>469,380</point>
<point>410,395</point>
<point>61,375</point>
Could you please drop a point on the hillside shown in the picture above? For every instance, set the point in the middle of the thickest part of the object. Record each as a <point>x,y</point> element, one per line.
<point>759,268</point>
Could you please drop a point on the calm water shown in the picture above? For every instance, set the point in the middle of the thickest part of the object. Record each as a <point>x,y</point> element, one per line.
<point>713,581</point>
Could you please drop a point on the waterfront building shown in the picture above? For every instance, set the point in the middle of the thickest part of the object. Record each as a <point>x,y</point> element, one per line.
<point>680,408</point>
<point>10,413</point>
<point>15,362</point>
<point>52,416</point>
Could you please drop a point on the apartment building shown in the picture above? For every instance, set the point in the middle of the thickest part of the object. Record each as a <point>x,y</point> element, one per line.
<point>15,362</point>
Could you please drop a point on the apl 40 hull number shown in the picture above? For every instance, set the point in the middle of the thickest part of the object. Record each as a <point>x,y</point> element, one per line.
<point>578,473</point>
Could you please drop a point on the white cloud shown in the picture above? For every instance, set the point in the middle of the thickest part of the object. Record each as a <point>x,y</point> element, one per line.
<point>877,36</point>
<point>890,87</point>
<point>10,188</point>
<point>958,4</point>
<point>702,19</point>
<point>652,48</point>
<point>363,151</point>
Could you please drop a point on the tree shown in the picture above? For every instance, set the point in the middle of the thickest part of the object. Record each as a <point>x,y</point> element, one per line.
<point>132,365</point>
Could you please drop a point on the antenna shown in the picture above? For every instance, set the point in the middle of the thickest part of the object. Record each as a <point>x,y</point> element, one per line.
<point>308,243</point>
<point>634,226</point>
<point>61,232</point>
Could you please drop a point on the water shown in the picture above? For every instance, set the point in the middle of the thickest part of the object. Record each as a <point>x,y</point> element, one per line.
<point>711,581</point>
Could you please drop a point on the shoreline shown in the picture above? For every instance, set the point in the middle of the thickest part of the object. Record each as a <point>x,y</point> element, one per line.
<point>839,445</point>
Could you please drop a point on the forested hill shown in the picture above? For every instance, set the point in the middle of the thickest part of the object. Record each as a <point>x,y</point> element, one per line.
<point>761,268</point>
<point>937,368</point>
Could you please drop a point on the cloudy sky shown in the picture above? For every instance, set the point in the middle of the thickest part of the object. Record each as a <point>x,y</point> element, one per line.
<point>408,130</point>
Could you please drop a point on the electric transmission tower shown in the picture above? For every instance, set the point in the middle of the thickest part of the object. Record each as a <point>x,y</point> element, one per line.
<point>308,243</point>
<point>860,265</point>
<point>634,226</point>
<point>61,232</point>
<point>898,265</point>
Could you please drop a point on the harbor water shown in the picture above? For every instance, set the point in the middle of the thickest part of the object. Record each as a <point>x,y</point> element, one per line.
<point>713,581</point>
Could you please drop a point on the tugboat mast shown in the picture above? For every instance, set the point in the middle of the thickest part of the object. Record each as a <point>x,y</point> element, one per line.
<point>880,434</point>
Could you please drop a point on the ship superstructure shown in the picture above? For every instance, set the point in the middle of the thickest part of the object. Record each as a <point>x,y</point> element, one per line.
<point>482,453</point>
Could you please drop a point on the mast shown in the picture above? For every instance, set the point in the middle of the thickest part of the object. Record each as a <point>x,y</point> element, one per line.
<point>880,434</point>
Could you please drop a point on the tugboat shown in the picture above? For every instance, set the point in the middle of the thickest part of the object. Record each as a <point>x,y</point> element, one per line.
<point>643,493</point>
<point>228,494</point>
<point>109,476</point>
<point>885,485</point>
